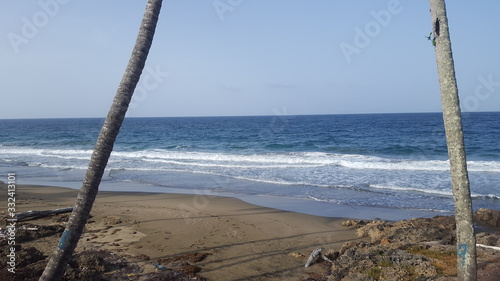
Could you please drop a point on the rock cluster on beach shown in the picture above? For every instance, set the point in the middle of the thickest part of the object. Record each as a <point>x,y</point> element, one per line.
<point>488,217</point>
<point>415,249</point>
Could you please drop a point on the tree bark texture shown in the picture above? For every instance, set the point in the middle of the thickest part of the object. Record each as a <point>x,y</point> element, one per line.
<point>104,145</point>
<point>466,241</point>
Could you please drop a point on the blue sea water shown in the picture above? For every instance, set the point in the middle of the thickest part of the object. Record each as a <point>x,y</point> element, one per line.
<point>396,161</point>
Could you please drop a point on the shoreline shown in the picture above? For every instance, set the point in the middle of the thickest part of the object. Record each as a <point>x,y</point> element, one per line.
<point>291,204</point>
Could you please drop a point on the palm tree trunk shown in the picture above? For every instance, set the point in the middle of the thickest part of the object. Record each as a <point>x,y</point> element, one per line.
<point>90,185</point>
<point>466,241</point>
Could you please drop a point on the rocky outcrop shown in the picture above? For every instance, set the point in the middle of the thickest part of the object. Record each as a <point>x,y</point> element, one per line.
<point>415,249</point>
<point>487,217</point>
<point>416,230</point>
<point>377,262</point>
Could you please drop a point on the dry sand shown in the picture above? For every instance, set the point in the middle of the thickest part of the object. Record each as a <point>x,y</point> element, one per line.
<point>245,241</point>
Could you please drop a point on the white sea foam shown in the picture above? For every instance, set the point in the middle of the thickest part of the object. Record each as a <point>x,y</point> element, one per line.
<point>413,189</point>
<point>237,164</point>
<point>265,160</point>
<point>432,191</point>
<point>325,172</point>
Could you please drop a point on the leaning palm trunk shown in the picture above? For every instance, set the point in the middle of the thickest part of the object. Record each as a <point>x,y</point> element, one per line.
<point>466,242</point>
<point>85,199</point>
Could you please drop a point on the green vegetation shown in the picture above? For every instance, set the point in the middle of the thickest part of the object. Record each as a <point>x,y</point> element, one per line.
<point>445,262</point>
<point>385,263</point>
<point>431,38</point>
<point>375,273</point>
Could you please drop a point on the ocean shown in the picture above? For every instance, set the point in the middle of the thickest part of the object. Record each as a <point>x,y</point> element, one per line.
<point>394,161</point>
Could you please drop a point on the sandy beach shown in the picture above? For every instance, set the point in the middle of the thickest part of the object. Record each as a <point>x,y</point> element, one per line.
<point>159,236</point>
<point>243,241</point>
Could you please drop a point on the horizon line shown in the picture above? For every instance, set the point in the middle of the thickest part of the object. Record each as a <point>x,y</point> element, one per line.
<point>251,115</point>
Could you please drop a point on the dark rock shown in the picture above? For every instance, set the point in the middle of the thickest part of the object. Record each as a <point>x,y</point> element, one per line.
<point>24,235</point>
<point>356,277</point>
<point>91,261</point>
<point>377,262</point>
<point>28,256</point>
<point>346,246</point>
<point>356,223</point>
<point>30,264</point>
<point>488,217</point>
<point>488,239</point>
<point>411,231</point>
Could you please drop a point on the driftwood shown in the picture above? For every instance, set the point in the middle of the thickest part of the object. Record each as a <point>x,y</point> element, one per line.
<point>489,247</point>
<point>315,255</point>
<point>38,214</point>
<point>443,242</point>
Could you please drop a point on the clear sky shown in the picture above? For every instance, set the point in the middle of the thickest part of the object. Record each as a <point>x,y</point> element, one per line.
<point>65,58</point>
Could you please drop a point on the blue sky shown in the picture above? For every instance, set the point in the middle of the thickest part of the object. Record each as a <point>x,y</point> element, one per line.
<point>65,58</point>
